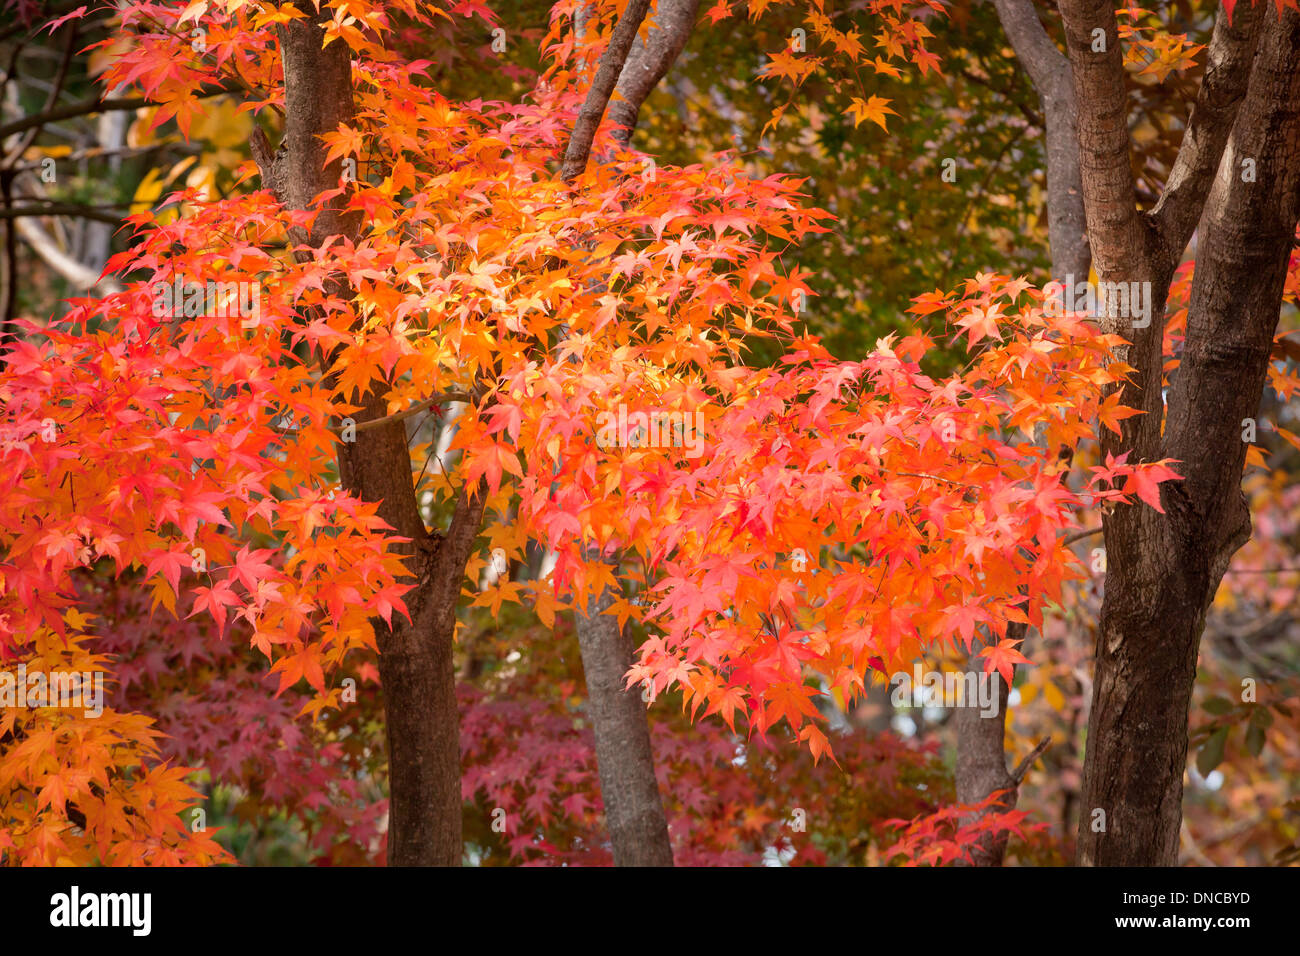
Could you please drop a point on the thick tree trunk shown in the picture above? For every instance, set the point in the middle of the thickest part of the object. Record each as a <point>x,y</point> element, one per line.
<point>415,656</point>
<point>1163,570</point>
<point>418,678</point>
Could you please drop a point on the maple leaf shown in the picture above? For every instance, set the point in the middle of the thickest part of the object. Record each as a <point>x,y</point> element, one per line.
<point>1145,481</point>
<point>1003,657</point>
<point>874,108</point>
<point>980,324</point>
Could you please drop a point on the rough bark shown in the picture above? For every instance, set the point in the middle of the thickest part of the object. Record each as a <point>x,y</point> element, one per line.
<point>634,814</point>
<point>981,768</point>
<point>649,60</point>
<point>1163,570</point>
<point>415,656</point>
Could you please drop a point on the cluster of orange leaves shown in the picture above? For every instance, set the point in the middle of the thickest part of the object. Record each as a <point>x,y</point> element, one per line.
<point>164,443</point>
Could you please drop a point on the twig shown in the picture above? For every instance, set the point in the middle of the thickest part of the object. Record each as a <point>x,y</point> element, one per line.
<point>99,105</point>
<point>62,209</point>
<point>1080,535</point>
<point>1023,768</point>
<point>56,90</point>
<point>415,409</point>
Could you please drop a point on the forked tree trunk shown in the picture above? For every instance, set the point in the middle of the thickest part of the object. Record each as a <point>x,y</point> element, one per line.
<point>1163,569</point>
<point>415,657</point>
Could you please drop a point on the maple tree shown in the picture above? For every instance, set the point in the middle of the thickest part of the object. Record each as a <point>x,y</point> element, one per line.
<point>383,373</point>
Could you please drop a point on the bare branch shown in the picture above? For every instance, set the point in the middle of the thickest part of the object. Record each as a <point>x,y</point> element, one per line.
<point>78,273</point>
<point>439,399</point>
<point>99,105</point>
<point>649,61</point>
<point>1080,535</point>
<point>55,91</point>
<point>1227,72</point>
<point>1018,775</point>
<point>1034,48</point>
<point>61,209</point>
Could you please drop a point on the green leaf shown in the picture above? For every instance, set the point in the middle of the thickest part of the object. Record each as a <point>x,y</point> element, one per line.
<point>1218,705</point>
<point>1261,717</point>
<point>1211,755</point>
<point>1254,739</point>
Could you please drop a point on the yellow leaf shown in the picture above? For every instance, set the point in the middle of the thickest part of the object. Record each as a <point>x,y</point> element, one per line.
<point>147,193</point>
<point>873,109</point>
<point>1052,694</point>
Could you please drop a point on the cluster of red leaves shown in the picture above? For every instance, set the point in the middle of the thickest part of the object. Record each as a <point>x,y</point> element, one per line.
<point>529,767</point>
<point>841,513</point>
<point>219,710</point>
<point>948,835</point>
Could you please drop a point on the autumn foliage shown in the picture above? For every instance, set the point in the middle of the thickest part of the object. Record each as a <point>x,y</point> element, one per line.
<point>171,512</point>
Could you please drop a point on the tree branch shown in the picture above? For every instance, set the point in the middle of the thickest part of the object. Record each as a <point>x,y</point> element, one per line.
<point>649,61</point>
<point>1115,230</point>
<point>1053,79</point>
<point>78,273</point>
<point>1034,48</point>
<point>56,90</point>
<point>1018,775</point>
<point>99,105</point>
<point>439,399</point>
<point>1081,535</point>
<point>60,209</point>
<point>602,87</point>
<point>1227,73</point>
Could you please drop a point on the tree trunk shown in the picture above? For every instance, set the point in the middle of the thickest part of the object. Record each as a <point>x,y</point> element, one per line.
<point>981,760</point>
<point>1163,569</point>
<point>981,768</point>
<point>415,656</point>
<point>634,813</point>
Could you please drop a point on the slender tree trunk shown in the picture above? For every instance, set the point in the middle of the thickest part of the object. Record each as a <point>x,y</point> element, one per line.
<point>634,813</point>
<point>1163,569</point>
<point>981,768</point>
<point>415,656</point>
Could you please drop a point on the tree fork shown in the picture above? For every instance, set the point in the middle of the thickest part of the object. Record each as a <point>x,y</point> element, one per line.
<point>415,656</point>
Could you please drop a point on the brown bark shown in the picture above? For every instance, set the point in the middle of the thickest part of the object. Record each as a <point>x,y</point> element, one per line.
<point>981,768</point>
<point>602,87</point>
<point>1163,569</point>
<point>415,656</point>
